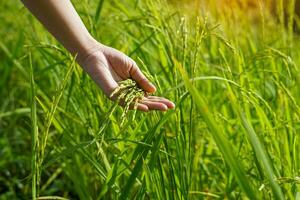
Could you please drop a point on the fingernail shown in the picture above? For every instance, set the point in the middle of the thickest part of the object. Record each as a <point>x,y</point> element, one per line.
<point>165,108</point>
<point>172,105</point>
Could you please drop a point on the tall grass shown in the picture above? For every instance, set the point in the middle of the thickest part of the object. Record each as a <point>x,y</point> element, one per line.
<point>232,70</point>
<point>35,136</point>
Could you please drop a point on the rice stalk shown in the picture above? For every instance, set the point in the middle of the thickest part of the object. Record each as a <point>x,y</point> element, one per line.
<point>34,137</point>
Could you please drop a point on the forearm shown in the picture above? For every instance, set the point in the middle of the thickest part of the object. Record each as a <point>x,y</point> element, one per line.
<point>63,22</point>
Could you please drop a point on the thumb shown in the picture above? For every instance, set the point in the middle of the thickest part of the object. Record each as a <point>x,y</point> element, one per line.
<point>137,75</point>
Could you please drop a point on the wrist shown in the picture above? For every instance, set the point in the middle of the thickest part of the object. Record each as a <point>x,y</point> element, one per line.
<point>91,46</point>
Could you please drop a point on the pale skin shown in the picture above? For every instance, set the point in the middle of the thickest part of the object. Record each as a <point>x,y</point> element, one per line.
<point>105,65</point>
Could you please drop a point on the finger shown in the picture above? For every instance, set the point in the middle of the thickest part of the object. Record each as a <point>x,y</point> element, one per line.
<point>141,107</point>
<point>141,79</point>
<point>132,106</point>
<point>165,101</point>
<point>154,105</point>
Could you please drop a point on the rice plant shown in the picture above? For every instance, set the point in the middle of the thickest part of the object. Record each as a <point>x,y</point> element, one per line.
<point>231,67</point>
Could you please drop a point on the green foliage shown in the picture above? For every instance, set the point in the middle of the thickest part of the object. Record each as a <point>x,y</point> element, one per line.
<point>232,70</point>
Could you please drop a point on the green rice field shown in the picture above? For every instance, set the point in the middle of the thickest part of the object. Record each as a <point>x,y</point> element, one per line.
<point>231,67</point>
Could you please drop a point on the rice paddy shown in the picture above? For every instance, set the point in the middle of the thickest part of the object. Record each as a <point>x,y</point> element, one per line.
<point>231,67</point>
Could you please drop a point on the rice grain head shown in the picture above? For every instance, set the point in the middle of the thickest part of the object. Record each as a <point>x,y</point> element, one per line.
<point>128,92</point>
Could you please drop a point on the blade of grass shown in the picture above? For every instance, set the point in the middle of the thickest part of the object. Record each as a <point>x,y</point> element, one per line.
<point>261,154</point>
<point>55,103</point>
<point>34,136</point>
<point>217,133</point>
<point>141,153</point>
<point>256,144</point>
<point>98,11</point>
<point>18,111</point>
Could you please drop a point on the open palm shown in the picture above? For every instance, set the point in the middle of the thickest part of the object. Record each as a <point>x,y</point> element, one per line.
<point>107,66</point>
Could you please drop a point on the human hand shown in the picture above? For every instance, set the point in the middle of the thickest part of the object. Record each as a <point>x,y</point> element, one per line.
<point>107,66</point>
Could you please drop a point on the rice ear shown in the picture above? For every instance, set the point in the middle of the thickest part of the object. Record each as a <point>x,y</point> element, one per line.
<point>128,91</point>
